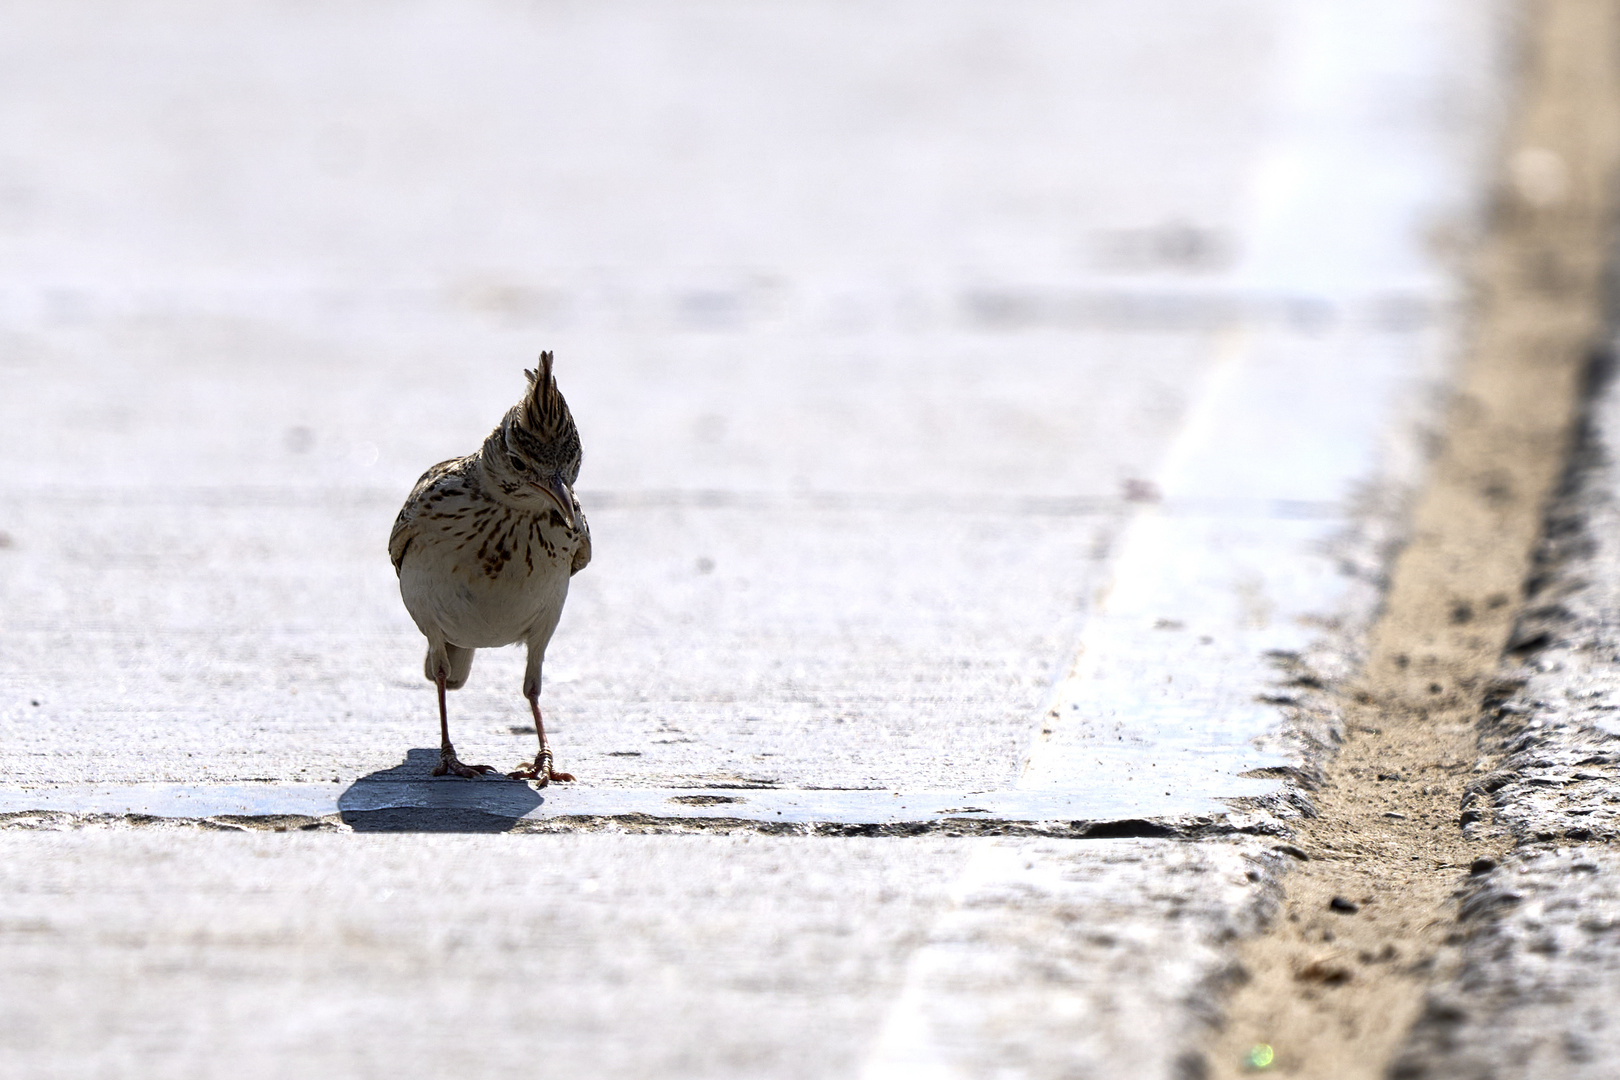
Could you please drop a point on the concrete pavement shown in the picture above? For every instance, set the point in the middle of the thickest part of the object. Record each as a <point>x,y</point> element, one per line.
<point>915,358</point>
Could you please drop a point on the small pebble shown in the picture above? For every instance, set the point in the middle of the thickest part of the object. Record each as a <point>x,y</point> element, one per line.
<point>1343,906</point>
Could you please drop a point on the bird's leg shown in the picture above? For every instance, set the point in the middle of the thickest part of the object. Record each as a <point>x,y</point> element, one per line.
<point>540,769</point>
<point>448,762</point>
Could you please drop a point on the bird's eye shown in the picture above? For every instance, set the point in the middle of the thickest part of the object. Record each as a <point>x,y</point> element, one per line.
<point>518,463</point>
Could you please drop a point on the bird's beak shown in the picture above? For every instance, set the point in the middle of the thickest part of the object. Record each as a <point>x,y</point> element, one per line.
<point>554,486</point>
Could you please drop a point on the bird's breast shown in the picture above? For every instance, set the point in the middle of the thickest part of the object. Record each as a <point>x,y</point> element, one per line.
<point>487,576</point>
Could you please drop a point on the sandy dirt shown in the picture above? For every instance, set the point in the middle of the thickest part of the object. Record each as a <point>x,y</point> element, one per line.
<point>1335,984</point>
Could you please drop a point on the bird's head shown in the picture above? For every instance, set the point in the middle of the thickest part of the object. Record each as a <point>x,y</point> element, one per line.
<point>534,456</point>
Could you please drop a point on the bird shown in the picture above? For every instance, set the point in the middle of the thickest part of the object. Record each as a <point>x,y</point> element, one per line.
<point>484,548</point>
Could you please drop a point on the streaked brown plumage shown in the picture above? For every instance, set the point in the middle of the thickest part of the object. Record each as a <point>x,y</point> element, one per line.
<point>484,548</point>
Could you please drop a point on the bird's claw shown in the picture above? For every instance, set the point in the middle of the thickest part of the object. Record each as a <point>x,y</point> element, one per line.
<point>540,770</point>
<point>450,765</point>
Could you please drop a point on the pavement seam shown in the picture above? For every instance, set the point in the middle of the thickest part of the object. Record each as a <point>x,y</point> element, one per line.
<point>1338,979</point>
<point>1190,828</point>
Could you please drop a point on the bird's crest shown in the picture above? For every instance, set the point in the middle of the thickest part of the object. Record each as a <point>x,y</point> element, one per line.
<point>543,411</point>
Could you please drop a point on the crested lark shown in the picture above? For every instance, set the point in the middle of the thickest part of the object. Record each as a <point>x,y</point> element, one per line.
<point>484,548</point>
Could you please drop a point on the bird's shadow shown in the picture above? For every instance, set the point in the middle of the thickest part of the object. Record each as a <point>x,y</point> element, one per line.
<point>409,798</point>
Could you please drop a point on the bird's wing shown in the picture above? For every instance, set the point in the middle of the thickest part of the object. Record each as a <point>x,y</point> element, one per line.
<point>405,527</point>
<point>582,554</point>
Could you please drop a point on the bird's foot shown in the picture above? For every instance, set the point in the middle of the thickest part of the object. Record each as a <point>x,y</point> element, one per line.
<point>540,770</point>
<point>451,765</point>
